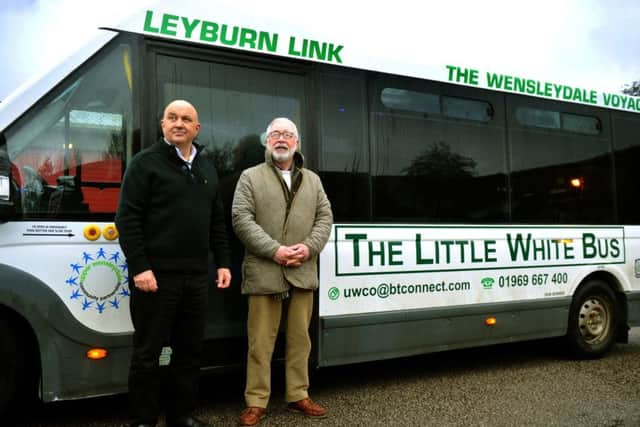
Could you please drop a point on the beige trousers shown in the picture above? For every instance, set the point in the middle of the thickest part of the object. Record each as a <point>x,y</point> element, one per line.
<point>263,323</point>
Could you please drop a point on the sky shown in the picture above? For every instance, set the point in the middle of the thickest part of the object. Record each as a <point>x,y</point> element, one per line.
<point>591,43</point>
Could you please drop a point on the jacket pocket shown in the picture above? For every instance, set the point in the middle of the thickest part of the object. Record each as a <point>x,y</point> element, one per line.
<point>261,276</point>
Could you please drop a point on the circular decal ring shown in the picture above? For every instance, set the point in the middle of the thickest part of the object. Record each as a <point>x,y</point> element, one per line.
<point>98,281</point>
<point>110,232</point>
<point>91,232</point>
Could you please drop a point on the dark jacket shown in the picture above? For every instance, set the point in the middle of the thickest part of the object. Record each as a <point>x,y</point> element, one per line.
<point>169,217</point>
<point>266,214</point>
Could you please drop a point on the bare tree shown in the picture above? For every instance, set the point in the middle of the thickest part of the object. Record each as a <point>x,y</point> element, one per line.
<point>632,89</point>
<point>439,162</point>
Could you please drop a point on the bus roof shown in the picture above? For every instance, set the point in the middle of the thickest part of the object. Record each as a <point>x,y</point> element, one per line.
<point>351,41</point>
<point>303,33</point>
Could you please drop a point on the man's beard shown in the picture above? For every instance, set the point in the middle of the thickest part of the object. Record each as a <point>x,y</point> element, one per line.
<point>281,157</point>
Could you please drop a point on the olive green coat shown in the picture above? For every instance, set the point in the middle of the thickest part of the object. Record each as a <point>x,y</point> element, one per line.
<point>266,214</point>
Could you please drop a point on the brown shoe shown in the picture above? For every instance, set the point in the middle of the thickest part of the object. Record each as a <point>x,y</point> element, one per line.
<point>307,407</point>
<point>251,416</point>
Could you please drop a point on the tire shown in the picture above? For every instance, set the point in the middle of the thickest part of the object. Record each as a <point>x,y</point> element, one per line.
<point>11,368</point>
<point>593,320</point>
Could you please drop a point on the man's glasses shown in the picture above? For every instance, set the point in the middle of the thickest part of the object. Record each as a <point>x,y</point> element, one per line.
<point>277,135</point>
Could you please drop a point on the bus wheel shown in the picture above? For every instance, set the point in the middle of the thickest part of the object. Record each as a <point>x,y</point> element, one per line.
<point>592,320</point>
<point>11,367</point>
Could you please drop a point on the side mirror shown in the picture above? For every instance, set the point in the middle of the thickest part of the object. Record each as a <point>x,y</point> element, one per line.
<point>6,199</point>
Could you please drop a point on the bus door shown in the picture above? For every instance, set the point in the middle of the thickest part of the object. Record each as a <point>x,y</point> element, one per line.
<point>236,100</point>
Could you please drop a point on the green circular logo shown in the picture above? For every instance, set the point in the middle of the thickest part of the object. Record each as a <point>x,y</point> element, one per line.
<point>334,293</point>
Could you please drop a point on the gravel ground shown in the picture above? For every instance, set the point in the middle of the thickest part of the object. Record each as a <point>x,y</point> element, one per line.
<point>526,384</point>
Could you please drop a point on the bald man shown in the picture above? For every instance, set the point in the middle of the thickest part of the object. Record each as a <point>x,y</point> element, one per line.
<point>169,216</point>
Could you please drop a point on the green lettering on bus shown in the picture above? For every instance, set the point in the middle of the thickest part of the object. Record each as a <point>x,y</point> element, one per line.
<point>189,26</point>
<point>356,248</point>
<point>147,22</point>
<point>209,31</point>
<point>169,24</point>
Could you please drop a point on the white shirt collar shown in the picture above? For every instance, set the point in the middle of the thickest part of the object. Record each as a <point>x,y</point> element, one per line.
<point>192,155</point>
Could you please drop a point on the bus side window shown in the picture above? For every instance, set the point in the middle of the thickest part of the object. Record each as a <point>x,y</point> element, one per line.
<point>33,189</point>
<point>439,153</point>
<point>71,147</point>
<point>344,157</point>
<point>561,168</point>
<point>626,128</point>
<point>8,185</point>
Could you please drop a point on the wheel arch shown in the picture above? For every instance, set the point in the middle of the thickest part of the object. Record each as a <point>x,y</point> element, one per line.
<point>25,333</point>
<point>58,341</point>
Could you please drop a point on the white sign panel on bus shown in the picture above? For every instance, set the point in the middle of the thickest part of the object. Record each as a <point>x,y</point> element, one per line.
<point>374,268</point>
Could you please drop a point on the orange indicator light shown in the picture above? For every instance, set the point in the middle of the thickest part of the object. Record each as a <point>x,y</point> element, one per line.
<point>490,321</point>
<point>96,353</point>
<point>576,182</point>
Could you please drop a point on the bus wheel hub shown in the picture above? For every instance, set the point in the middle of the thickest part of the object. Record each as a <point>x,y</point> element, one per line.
<point>593,320</point>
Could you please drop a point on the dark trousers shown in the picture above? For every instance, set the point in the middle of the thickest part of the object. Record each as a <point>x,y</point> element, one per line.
<point>175,314</point>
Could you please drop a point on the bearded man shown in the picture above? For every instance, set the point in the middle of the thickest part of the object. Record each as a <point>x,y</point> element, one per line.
<point>282,216</point>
